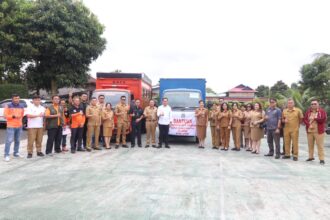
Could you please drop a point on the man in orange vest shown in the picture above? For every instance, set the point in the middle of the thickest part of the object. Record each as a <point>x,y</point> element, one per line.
<point>14,113</point>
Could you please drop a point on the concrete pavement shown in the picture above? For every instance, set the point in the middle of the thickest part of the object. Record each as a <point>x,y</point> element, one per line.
<point>178,183</point>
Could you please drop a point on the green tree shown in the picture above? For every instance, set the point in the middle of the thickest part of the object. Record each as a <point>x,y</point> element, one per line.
<point>66,38</point>
<point>316,77</point>
<point>210,90</point>
<point>14,14</point>
<point>262,91</point>
<point>279,88</point>
<point>302,99</point>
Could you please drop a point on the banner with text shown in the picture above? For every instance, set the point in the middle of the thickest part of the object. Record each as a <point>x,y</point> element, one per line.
<point>183,124</point>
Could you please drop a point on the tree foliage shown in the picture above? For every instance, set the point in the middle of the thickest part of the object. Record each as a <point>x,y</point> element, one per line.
<point>316,77</point>
<point>262,91</point>
<point>279,88</point>
<point>57,43</point>
<point>14,14</point>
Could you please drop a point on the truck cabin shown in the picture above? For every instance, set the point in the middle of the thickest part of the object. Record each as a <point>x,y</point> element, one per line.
<point>183,99</point>
<point>113,95</point>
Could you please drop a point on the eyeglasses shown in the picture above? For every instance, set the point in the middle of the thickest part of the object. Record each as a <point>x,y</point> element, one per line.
<point>314,104</point>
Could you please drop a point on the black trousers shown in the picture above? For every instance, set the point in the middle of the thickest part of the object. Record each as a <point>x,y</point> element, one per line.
<point>136,132</point>
<point>163,134</point>
<point>84,135</point>
<point>271,138</point>
<point>76,137</point>
<point>54,136</point>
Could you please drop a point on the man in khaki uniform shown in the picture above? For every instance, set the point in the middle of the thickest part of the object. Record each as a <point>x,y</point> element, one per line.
<point>121,111</point>
<point>292,117</point>
<point>213,125</point>
<point>315,120</point>
<point>150,113</point>
<point>93,113</point>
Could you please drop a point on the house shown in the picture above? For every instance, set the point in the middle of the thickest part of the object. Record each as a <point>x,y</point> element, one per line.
<point>240,93</point>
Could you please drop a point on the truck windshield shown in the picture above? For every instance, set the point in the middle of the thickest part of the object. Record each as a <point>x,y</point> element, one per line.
<point>183,99</point>
<point>112,96</point>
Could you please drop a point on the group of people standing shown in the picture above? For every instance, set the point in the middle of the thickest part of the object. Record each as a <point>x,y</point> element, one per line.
<point>248,123</point>
<point>88,122</point>
<point>93,122</point>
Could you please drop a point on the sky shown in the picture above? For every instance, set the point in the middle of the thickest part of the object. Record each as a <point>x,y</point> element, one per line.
<point>228,42</point>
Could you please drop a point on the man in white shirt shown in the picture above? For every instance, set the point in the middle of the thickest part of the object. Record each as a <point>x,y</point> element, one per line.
<point>164,113</point>
<point>35,115</point>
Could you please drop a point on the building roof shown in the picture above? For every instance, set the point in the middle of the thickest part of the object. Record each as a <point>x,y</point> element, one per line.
<point>242,89</point>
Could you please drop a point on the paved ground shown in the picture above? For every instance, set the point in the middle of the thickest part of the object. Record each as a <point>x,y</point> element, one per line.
<point>3,135</point>
<point>178,183</point>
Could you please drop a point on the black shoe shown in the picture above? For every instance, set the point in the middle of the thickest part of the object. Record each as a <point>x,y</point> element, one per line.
<point>202,147</point>
<point>310,159</point>
<point>282,153</point>
<point>96,148</point>
<point>117,146</point>
<point>248,150</point>
<point>223,148</point>
<point>147,146</point>
<point>40,154</point>
<point>73,151</point>
<point>234,149</point>
<point>29,156</point>
<point>133,145</point>
<point>154,146</point>
<point>139,145</point>
<point>286,157</point>
<point>124,146</point>
<point>322,162</point>
<point>167,146</point>
<point>88,149</point>
<point>81,149</point>
<point>58,151</point>
<point>269,155</point>
<point>215,148</point>
<point>159,146</point>
<point>295,158</point>
<point>277,157</point>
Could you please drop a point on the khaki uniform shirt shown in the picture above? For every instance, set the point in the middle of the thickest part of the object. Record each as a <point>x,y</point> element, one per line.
<point>202,119</point>
<point>122,109</point>
<point>294,117</point>
<point>213,118</point>
<point>108,119</point>
<point>95,120</point>
<point>150,113</point>
<point>237,117</point>
<point>313,125</point>
<point>224,118</point>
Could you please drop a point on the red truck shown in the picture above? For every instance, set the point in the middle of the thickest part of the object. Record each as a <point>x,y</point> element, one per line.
<point>132,85</point>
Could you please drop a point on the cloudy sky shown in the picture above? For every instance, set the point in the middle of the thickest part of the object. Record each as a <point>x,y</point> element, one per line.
<point>228,42</point>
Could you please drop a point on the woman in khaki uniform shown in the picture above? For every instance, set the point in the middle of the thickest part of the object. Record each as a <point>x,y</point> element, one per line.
<point>246,127</point>
<point>236,126</point>
<point>213,125</point>
<point>108,124</point>
<point>225,119</point>
<point>217,122</point>
<point>201,123</point>
<point>257,132</point>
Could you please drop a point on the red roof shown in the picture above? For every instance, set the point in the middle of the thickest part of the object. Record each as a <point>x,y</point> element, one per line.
<point>242,89</point>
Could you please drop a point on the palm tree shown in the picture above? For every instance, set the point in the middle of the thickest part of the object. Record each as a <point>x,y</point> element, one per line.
<point>302,99</point>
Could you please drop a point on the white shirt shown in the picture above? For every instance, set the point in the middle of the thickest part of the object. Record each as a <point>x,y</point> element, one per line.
<point>165,119</point>
<point>37,122</point>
